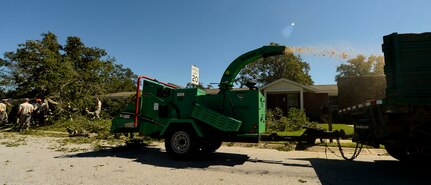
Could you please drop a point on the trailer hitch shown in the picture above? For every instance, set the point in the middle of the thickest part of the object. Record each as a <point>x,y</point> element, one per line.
<point>309,137</point>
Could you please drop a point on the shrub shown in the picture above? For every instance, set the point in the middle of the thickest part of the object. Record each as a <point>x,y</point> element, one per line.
<point>110,107</point>
<point>274,122</point>
<point>82,125</point>
<point>296,119</point>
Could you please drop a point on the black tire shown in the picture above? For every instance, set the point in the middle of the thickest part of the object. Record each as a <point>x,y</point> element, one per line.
<point>397,151</point>
<point>181,143</point>
<point>209,147</point>
<point>413,154</point>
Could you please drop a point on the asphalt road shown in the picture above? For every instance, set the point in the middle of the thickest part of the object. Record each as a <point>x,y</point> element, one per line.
<point>36,162</point>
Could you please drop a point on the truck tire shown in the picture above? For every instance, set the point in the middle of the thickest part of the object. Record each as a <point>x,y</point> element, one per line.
<point>209,147</point>
<point>412,153</point>
<point>181,143</point>
<point>397,151</point>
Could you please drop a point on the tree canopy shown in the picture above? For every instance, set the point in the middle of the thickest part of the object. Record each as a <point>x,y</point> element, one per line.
<point>267,70</point>
<point>40,68</point>
<point>361,66</point>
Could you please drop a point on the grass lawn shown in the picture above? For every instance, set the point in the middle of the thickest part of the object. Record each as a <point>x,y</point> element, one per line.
<point>347,128</point>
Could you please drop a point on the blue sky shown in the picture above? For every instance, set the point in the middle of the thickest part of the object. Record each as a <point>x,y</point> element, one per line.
<point>162,39</point>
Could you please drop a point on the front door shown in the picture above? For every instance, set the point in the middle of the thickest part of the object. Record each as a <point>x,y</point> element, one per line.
<point>284,101</point>
<point>293,100</point>
<point>277,100</point>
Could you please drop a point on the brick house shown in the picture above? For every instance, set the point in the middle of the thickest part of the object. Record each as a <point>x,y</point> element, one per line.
<point>284,93</point>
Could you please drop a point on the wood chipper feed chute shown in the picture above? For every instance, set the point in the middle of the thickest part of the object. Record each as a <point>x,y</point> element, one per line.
<point>134,113</point>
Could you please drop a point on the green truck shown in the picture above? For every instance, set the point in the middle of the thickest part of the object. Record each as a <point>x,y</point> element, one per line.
<point>401,121</point>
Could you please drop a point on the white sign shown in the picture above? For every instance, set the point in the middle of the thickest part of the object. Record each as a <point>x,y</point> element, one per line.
<point>195,75</point>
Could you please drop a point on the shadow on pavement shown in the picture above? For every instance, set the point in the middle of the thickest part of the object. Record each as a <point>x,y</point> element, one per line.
<point>278,162</point>
<point>333,172</point>
<point>329,171</point>
<point>158,157</point>
<point>155,156</point>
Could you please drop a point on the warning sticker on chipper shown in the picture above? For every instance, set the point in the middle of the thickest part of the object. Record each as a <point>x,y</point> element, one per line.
<point>129,125</point>
<point>180,94</point>
<point>156,106</point>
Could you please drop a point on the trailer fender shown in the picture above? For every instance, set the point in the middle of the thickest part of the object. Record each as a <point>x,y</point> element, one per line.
<point>183,122</point>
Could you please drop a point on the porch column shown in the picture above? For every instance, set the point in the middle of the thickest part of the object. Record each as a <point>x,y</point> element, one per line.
<point>301,98</point>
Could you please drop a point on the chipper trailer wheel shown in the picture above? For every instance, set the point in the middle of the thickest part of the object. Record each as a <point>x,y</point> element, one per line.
<point>181,143</point>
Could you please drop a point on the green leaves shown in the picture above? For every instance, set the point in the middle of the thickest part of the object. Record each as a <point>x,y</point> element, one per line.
<point>267,70</point>
<point>73,71</point>
<point>361,66</point>
<point>296,119</point>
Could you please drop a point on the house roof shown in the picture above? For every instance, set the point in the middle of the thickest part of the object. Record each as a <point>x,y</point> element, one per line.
<point>331,89</point>
<point>281,80</point>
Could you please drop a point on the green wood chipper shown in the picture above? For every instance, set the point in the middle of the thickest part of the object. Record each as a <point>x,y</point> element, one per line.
<point>192,121</point>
